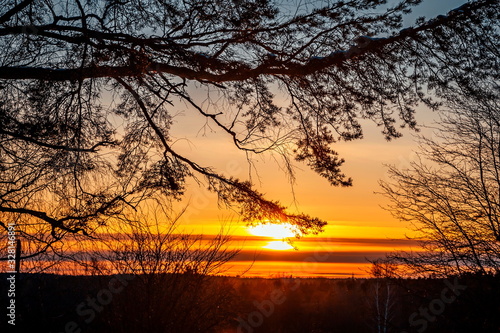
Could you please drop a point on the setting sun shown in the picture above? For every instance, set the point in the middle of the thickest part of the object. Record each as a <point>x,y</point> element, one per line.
<point>280,231</point>
<point>278,245</point>
<point>276,231</point>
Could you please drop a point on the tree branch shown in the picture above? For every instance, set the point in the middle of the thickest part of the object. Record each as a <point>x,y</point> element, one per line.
<point>217,71</point>
<point>16,9</point>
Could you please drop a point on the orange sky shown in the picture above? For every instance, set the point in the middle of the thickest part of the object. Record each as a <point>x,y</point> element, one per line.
<point>358,227</point>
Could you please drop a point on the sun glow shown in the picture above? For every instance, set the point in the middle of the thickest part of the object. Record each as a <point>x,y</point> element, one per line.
<point>281,231</point>
<point>276,231</point>
<point>278,245</point>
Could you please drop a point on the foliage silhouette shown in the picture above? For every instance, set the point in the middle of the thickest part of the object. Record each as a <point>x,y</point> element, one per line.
<point>89,91</point>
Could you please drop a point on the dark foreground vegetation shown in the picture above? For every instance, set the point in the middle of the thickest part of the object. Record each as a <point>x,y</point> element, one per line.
<point>54,303</point>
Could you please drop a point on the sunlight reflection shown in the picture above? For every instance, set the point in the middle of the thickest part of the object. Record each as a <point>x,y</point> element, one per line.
<point>278,245</point>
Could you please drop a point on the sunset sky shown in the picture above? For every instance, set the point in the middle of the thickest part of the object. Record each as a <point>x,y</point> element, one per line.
<point>253,166</point>
<point>358,227</point>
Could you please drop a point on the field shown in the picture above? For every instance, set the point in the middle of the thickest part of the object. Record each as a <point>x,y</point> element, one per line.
<point>192,303</point>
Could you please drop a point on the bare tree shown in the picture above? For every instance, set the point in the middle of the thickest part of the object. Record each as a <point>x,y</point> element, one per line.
<point>171,287</point>
<point>382,296</point>
<point>151,242</point>
<point>89,90</point>
<point>452,191</point>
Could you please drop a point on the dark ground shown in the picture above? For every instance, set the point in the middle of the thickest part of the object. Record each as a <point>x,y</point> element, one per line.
<point>194,303</point>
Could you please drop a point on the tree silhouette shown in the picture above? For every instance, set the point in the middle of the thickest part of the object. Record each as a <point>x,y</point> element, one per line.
<point>171,290</point>
<point>451,191</point>
<point>89,91</point>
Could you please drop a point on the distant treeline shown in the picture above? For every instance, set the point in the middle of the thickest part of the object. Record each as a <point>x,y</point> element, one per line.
<point>196,303</point>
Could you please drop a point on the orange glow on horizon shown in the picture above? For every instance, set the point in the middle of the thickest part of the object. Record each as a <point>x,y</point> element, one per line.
<point>278,245</point>
<point>277,231</point>
<point>284,230</point>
